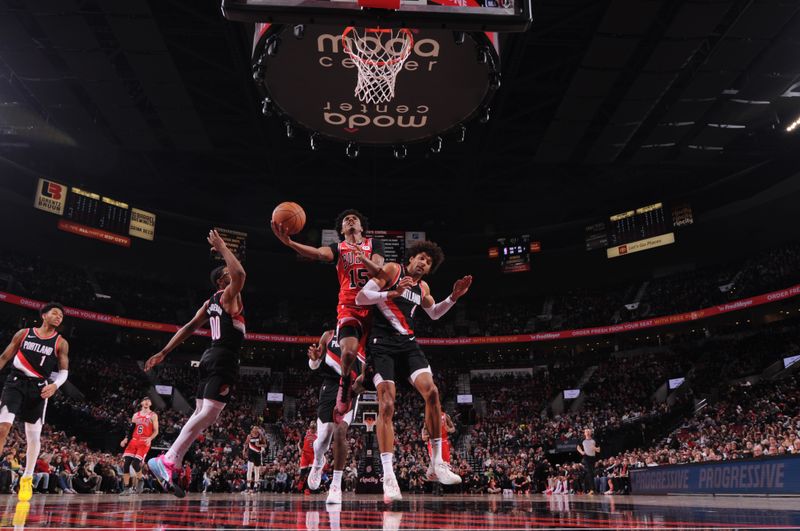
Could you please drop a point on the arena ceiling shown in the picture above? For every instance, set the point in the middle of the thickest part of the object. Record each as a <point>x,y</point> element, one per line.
<point>604,104</point>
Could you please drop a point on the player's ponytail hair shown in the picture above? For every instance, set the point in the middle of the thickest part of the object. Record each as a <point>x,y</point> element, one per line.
<point>429,248</point>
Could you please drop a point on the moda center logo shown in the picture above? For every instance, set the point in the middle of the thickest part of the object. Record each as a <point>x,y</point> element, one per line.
<point>423,57</point>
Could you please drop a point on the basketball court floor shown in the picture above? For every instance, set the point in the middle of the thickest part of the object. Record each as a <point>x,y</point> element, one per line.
<point>267,511</point>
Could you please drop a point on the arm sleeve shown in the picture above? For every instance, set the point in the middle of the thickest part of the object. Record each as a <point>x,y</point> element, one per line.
<point>440,308</point>
<point>314,365</point>
<point>377,247</point>
<point>60,377</point>
<point>371,294</point>
<point>335,250</point>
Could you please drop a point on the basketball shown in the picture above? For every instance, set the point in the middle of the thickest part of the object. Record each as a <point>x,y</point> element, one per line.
<point>291,215</point>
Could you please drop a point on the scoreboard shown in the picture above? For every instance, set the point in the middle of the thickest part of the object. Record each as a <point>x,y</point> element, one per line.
<point>93,210</point>
<point>637,230</point>
<point>515,253</point>
<point>92,215</point>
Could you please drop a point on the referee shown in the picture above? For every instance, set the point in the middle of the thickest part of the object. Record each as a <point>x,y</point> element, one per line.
<point>589,450</point>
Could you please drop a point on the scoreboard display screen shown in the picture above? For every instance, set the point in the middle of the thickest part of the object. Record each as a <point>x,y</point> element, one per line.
<point>637,230</point>
<point>394,244</point>
<point>92,215</point>
<point>99,212</point>
<point>515,253</point>
<point>644,222</point>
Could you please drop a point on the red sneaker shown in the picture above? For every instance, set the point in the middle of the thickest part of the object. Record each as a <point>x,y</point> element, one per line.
<point>344,401</point>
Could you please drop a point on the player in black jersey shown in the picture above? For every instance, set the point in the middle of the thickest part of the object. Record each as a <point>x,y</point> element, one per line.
<point>325,357</point>
<point>219,365</point>
<point>253,453</point>
<point>396,293</point>
<point>38,370</point>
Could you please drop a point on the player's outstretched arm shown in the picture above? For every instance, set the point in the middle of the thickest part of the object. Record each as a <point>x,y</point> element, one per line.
<point>372,293</point>
<point>231,300</point>
<point>436,310</point>
<point>12,348</point>
<point>323,254</point>
<point>199,319</point>
<point>63,370</point>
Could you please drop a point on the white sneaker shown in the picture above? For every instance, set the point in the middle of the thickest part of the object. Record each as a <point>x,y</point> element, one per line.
<point>391,490</point>
<point>315,476</point>
<point>444,475</point>
<point>334,495</point>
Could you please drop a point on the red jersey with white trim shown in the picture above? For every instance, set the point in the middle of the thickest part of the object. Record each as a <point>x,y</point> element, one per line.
<point>36,357</point>
<point>351,272</point>
<point>144,425</point>
<point>226,330</point>
<point>396,316</point>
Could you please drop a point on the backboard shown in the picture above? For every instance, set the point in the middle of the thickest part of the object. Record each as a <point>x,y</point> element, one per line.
<point>463,15</point>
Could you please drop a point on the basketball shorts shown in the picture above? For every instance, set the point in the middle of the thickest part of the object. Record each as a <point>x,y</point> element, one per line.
<point>353,321</point>
<point>307,459</point>
<point>22,399</point>
<point>393,357</point>
<point>327,401</point>
<point>137,449</point>
<point>254,457</point>
<point>219,372</point>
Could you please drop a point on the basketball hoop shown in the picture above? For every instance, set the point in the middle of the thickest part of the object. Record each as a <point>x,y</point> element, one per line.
<point>379,55</point>
<point>369,422</point>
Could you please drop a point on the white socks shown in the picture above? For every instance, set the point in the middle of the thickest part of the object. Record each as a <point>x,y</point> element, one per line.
<point>337,479</point>
<point>386,461</point>
<point>436,444</point>
<point>33,434</point>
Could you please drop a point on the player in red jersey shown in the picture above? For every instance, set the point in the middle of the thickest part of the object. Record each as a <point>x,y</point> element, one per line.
<point>349,256</point>
<point>307,453</point>
<point>144,430</point>
<point>447,427</point>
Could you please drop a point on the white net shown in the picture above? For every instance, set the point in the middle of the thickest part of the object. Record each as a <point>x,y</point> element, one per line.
<point>379,55</point>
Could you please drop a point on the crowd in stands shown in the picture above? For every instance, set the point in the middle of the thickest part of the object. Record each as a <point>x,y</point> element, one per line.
<point>507,445</point>
<point>148,296</point>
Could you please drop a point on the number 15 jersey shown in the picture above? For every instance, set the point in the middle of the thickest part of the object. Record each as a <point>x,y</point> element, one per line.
<point>227,331</point>
<point>351,272</point>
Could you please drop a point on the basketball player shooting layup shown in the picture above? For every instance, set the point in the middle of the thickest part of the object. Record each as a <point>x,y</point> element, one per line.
<point>396,292</point>
<point>37,353</point>
<point>219,365</point>
<point>350,256</point>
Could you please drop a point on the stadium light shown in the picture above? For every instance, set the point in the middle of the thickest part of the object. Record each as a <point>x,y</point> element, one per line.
<point>793,126</point>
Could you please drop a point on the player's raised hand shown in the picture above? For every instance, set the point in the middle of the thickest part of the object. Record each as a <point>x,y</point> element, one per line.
<point>404,284</point>
<point>314,352</point>
<point>154,360</point>
<point>460,287</point>
<point>281,232</point>
<point>215,241</point>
